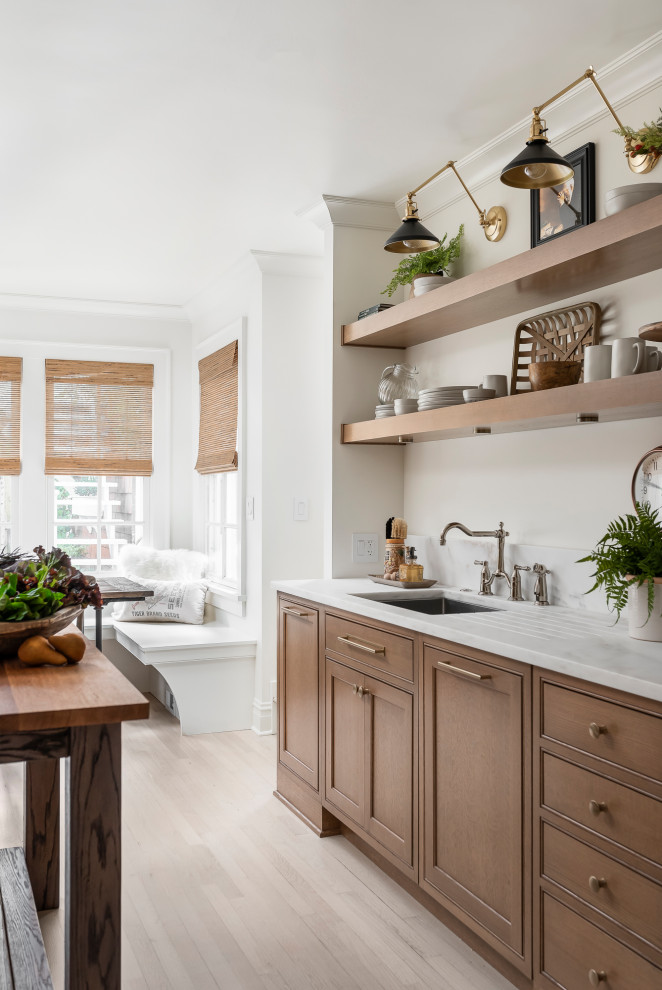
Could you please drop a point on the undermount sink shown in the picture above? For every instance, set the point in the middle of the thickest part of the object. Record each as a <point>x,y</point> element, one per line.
<point>429,604</point>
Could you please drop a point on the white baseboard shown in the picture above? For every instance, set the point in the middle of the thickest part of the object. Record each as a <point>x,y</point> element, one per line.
<point>262,717</point>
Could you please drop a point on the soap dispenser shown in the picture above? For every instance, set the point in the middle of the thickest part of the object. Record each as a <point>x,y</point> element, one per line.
<point>411,570</point>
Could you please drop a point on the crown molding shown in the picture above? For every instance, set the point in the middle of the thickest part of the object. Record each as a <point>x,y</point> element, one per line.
<point>344,211</point>
<point>98,307</point>
<point>297,265</point>
<point>625,80</point>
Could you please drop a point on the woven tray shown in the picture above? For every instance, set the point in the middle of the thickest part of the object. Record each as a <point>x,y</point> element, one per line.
<point>560,335</point>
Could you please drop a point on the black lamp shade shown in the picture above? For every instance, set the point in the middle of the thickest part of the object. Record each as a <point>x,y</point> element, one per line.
<point>537,167</point>
<point>411,237</point>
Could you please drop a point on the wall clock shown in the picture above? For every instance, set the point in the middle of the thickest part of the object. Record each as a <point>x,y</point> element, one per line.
<point>647,479</point>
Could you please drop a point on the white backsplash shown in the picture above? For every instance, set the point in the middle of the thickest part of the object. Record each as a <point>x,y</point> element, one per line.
<point>453,564</point>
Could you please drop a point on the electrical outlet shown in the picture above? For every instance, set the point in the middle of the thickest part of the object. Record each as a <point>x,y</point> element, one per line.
<point>365,548</point>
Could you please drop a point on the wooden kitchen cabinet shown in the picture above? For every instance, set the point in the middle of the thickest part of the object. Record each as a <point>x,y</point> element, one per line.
<point>369,744</point>
<point>476,848</point>
<point>298,690</point>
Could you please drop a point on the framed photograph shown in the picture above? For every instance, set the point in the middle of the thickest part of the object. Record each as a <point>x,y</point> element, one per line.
<point>560,209</point>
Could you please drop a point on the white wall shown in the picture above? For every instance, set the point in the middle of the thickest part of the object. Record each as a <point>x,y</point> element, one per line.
<point>280,297</point>
<point>556,488</point>
<point>125,329</point>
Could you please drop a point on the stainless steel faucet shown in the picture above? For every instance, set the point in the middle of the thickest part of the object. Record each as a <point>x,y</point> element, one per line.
<point>500,534</point>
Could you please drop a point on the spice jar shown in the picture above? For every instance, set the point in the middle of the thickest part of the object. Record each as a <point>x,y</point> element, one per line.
<point>393,558</point>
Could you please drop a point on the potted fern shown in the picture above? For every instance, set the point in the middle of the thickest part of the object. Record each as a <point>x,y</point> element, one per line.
<point>628,562</point>
<point>428,270</point>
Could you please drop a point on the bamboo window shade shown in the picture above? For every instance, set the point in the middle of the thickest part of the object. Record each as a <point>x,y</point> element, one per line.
<point>98,417</point>
<point>219,391</point>
<point>11,369</point>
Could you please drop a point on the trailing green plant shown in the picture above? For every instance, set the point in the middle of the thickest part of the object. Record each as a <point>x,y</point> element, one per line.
<point>38,586</point>
<point>629,554</point>
<point>427,263</point>
<point>645,139</point>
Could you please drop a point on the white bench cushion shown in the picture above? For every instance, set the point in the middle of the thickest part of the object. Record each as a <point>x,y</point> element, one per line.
<point>171,642</point>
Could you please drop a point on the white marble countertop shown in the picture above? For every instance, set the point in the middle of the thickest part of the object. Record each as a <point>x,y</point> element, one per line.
<point>568,641</point>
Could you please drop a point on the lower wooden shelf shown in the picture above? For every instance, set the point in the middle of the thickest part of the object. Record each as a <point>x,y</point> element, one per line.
<point>633,397</point>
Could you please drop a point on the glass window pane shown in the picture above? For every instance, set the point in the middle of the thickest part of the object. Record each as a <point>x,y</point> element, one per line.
<point>232,489</point>
<point>232,556</point>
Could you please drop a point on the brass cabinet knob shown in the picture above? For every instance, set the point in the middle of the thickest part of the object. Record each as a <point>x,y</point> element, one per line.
<point>596,807</point>
<point>363,691</point>
<point>596,730</point>
<point>596,977</point>
<point>355,688</point>
<point>595,883</point>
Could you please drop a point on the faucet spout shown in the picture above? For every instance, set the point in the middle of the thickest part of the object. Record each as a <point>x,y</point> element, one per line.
<point>468,532</point>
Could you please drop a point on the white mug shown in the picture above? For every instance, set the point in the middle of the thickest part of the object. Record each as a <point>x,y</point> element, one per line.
<point>498,382</point>
<point>628,356</point>
<point>653,359</point>
<point>597,362</point>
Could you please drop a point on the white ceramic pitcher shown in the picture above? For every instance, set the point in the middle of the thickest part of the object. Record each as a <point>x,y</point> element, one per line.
<point>628,356</point>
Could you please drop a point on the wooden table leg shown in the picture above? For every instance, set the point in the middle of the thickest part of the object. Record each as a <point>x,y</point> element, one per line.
<point>42,830</point>
<point>93,898</point>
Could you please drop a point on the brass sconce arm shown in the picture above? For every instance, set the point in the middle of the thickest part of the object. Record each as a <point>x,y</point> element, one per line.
<point>493,221</point>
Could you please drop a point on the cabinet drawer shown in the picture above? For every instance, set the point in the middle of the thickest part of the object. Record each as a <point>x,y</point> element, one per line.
<point>576,955</point>
<point>626,816</point>
<point>604,729</point>
<point>632,900</point>
<point>374,647</point>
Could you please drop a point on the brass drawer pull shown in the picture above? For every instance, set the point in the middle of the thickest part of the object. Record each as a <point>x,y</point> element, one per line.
<point>294,611</point>
<point>362,645</point>
<point>596,807</point>
<point>595,883</point>
<point>596,977</point>
<point>596,730</point>
<point>464,673</point>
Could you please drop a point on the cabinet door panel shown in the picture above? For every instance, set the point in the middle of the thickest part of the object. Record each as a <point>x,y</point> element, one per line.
<point>390,769</point>
<point>345,741</point>
<point>473,791</point>
<point>298,691</point>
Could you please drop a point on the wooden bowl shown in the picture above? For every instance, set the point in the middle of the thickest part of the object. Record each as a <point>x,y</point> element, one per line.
<point>552,374</point>
<point>12,634</point>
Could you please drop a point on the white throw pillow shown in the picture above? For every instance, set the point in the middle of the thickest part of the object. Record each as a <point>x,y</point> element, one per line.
<point>173,601</point>
<point>161,565</point>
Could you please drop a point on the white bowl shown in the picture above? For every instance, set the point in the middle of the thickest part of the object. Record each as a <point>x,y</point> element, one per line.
<point>474,394</point>
<point>624,196</point>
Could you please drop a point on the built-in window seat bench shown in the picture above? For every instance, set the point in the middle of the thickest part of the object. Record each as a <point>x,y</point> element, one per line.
<point>209,668</point>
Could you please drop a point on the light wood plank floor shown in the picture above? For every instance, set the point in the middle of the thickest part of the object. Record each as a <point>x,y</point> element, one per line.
<point>223,887</point>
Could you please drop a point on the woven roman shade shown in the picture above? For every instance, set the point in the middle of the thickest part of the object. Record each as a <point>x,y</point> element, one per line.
<point>219,390</point>
<point>10,414</point>
<point>98,417</point>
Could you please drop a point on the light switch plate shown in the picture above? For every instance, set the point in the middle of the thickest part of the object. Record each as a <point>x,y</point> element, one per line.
<point>300,512</point>
<point>365,548</point>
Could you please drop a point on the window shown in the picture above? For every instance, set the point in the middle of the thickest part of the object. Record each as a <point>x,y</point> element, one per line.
<point>222,536</point>
<point>94,516</point>
<point>6,486</point>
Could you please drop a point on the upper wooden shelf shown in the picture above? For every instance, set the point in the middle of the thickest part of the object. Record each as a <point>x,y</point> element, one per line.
<point>605,252</point>
<point>634,397</point>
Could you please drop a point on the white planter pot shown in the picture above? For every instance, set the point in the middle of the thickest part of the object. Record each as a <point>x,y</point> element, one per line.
<point>639,628</point>
<point>426,283</point>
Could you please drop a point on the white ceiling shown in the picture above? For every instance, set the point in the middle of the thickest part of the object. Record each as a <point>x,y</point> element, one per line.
<point>147,144</point>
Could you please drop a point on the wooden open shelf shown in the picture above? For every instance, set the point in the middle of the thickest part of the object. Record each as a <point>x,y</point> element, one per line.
<point>609,251</point>
<point>634,397</point>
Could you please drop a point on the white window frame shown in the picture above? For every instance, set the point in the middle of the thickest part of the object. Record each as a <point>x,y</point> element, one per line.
<point>14,511</point>
<point>34,520</point>
<point>229,597</point>
<point>53,522</point>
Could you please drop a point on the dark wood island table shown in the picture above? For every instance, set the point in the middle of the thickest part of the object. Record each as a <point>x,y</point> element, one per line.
<point>46,714</point>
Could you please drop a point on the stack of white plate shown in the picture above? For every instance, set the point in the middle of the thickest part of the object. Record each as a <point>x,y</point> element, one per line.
<point>437,398</point>
<point>384,410</point>
<point>403,406</point>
